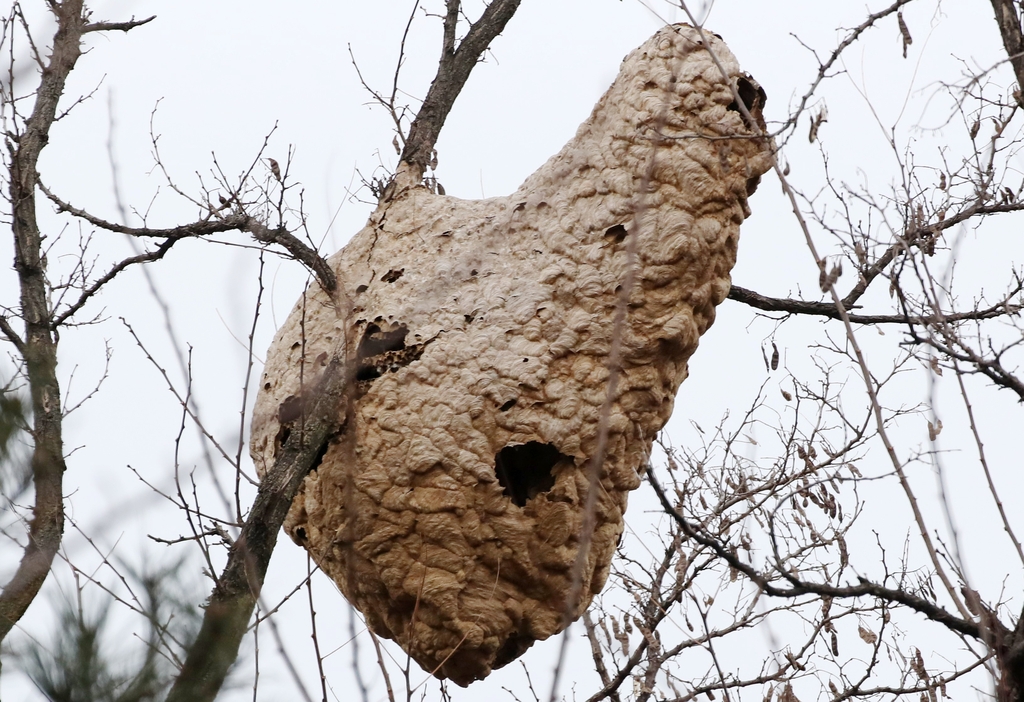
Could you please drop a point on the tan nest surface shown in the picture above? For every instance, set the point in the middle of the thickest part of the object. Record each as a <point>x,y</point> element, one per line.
<point>449,510</point>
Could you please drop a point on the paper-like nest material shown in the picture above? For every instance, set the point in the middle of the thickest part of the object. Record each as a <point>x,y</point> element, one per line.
<point>450,508</point>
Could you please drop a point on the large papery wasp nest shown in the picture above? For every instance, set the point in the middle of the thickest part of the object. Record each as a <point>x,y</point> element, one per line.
<point>450,508</point>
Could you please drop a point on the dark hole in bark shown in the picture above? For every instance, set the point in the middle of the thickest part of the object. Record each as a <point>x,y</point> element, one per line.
<point>300,534</point>
<point>524,470</point>
<point>617,232</point>
<point>508,405</point>
<point>753,97</point>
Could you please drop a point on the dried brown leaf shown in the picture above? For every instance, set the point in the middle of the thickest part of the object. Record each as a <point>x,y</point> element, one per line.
<point>904,33</point>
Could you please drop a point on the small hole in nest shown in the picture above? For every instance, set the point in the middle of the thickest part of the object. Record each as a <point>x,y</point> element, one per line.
<point>384,350</point>
<point>367,373</point>
<point>753,97</point>
<point>617,232</point>
<point>508,405</point>
<point>525,470</point>
<point>514,646</point>
<point>377,341</point>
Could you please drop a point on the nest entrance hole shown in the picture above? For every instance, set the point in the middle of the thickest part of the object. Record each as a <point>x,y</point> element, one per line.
<point>376,342</point>
<point>525,470</point>
<point>616,232</point>
<point>753,97</point>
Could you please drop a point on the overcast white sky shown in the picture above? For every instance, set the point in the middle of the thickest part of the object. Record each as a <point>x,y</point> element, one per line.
<point>214,78</point>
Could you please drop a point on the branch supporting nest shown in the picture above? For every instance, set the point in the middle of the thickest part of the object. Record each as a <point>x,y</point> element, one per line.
<point>237,590</point>
<point>453,71</point>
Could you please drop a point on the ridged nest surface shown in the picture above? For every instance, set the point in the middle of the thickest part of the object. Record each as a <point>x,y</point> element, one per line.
<point>449,510</point>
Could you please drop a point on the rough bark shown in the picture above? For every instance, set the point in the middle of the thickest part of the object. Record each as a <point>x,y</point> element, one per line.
<point>452,510</point>
<point>1008,19</point>
<point>39,347</point>
<point>453,71</point>
<point>234,596</point>
<point>1010,646</point>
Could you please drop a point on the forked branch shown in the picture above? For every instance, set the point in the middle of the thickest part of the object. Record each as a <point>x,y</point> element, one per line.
<point>452,73</point>
<point>39,346</point>
<point>798,588</point>
<point>234,221</point>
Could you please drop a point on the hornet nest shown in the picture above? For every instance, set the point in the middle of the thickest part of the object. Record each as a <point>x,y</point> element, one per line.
<point>449,510</point>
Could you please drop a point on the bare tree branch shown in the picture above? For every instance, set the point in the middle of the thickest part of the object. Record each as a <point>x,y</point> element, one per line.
<point>827,309</point>
<point>40,347</point>
<point>89,292</point>
<point>825,66</point>
<point>799,587</point>
<point>452,73</point>
<point>1008,20</point>
<point>990,365</point>
<point>11,335</point>
<point>116,26</point>
<point>234,221</point>
<point>238,588</point>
